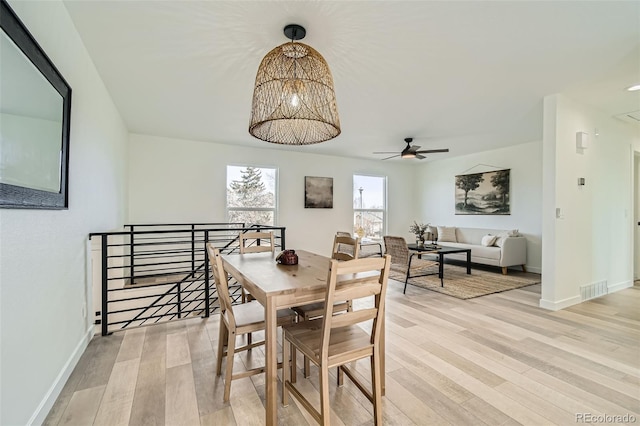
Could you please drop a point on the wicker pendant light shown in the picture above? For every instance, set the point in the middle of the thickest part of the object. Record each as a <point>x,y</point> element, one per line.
<point>294,102</point>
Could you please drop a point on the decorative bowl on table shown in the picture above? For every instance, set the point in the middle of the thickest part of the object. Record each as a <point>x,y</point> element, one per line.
<point>287,257</point>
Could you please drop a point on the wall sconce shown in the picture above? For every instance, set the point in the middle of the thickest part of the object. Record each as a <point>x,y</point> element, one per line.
<point>582,140</point>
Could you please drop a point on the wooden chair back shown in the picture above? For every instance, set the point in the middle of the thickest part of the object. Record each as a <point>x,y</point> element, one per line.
<point>222,284</point>
<point>397,248</point>
<point>258,237</point>
<point>342,285</point>
<point>345,247</point>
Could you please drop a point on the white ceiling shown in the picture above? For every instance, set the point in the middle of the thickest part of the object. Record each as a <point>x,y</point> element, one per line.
<point>464,75</point>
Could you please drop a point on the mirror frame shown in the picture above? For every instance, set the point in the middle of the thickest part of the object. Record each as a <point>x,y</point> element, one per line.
<point>14,196</point>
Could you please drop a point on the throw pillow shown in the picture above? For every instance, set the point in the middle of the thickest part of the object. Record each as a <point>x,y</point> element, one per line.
<point>513,233</point>
<point>489,240</point>
<point>447,234</point>
<point>500,239</point>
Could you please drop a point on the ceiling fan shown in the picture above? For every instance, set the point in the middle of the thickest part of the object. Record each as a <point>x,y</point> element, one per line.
<point>412,151</point>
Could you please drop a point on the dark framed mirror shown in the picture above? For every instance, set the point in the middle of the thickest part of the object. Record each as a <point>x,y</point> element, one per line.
<point>35,112</point>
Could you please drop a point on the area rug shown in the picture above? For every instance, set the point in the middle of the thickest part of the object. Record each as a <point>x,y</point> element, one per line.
<point>480,283</point>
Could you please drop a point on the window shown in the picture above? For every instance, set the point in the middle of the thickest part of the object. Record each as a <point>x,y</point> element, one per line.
<point>369,206</point>
<point>251,195</point>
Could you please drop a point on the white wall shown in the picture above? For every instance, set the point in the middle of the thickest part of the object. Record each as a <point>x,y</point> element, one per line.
<point>185,181</point>
<point>636,221</point>
<point>43,285</point>
<point>592,239</point>
<point>437,185</point>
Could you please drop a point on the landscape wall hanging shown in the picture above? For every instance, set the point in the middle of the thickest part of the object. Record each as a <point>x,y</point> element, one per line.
<point>318,192</point>
<point>483,193</point>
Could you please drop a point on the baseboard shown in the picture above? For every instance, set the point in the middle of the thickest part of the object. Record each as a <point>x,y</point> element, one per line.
<point>534,269</point>
<point>52,394</point>
<point>556,306</point>
<point>619,286</point>
<point>561,304</point>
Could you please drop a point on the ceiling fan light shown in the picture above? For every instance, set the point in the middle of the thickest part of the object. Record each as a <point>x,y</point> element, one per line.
<point>408,155</point>
<point>294,101</point>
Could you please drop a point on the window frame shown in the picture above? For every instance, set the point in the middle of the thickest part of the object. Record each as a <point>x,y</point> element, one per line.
<point>276,188</point>
<point>384,210</point>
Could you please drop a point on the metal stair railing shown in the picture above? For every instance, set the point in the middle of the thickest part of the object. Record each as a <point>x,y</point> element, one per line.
<point>160,272</point>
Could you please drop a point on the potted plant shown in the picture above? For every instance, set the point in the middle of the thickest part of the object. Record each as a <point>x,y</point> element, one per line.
<point>419,229</point>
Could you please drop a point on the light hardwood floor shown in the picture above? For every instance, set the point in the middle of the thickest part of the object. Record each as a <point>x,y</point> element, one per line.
<point>494,360</point>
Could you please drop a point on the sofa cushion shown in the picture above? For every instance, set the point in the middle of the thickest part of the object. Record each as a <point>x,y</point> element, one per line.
<point>447,234</point>
<point>472,235</point>
<point>477,252</point>
<point>486,252</point>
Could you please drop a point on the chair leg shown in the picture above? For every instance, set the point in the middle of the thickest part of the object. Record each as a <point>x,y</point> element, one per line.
<point>222,336</point>
<point>231,348</point>
<point>524,268</point>
<point>294,368</point>
<point>376,386</point>
<point>286,370</point>
<point>249,340</point>
<point>340,376</point>
<point>325,408</point>
<point>307,367</point>
<point>307,363</point>
<point>406,280</point>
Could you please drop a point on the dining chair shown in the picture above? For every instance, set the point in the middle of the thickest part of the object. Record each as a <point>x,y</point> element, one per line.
<point>344,248</point>
<point>343,234</point>
<point>257,237</point>
<point>237,320</point>
<point>410,265</point>
<point>246,239</point>
<point>335,340</point>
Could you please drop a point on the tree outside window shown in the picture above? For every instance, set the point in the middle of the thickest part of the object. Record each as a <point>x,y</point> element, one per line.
<point>251,195</point>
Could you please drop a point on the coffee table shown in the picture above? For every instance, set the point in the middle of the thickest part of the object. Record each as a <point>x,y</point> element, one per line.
<point>441,251</point>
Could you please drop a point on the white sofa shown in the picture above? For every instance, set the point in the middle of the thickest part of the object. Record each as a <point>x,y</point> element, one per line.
<point>507,251</point>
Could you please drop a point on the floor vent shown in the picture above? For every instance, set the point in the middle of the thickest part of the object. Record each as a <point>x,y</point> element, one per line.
<point>594,290</point>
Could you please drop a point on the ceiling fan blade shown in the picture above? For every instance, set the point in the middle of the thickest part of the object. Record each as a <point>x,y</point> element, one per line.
<point>420,157</point>
<point>393,156</point>
<point>414,148</point>
<point>428,151</point>
<point>385,152</point>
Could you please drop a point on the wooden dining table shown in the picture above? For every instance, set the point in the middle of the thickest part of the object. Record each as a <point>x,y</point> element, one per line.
<point>276,287</point>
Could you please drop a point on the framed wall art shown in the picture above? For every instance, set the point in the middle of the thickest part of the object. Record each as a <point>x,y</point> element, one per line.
<point>483,193</point>
<point>318,192</point>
